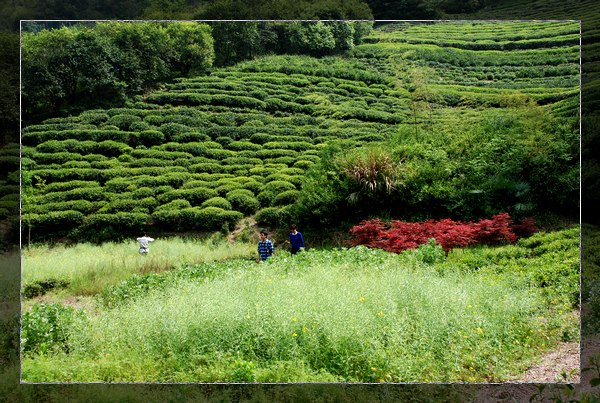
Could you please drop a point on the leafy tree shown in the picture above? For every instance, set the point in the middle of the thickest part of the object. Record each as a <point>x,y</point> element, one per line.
<point>315,39</point>
<point>236,41</point>
<point>192,45</point>
<point>48,76</point>
<point>69,69</point>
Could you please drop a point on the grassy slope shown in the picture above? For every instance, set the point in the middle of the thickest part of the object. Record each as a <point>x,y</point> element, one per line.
<point>343,315</point>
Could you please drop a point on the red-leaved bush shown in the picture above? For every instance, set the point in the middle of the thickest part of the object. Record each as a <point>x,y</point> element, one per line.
<point>397,236</point>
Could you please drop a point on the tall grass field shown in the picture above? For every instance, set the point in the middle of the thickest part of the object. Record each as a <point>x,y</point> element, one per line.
<point>480,314</point>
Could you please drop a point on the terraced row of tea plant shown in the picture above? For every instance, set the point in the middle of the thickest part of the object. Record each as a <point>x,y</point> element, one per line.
<point>586,11</point>
<point>203,152</point>
<point>481,63</point>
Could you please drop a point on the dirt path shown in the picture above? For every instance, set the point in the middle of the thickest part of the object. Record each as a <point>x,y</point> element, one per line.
<point>564,359</point>
<point>248,222</point>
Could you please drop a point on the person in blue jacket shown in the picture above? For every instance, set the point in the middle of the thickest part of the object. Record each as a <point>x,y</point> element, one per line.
<point>296,240</point>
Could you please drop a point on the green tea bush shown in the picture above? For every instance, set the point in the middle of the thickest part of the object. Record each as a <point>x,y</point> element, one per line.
<point>111,148</point>
<point>94,117</point>
<point>174,179</point>
<point>224,140</point>
<point>41,287</point>
<point>57,158</point>
<point>170,219</point>
<point>129,205</point>
<point>303,164</point>
<point>101,227</point>
<point>112,163</point>
<point>52,224</point>
<point>83,206</point>
<point>262,171</point>
<point>237,169</point>
<point>243,200</point>
<point>195,196</point>
<point>198,183</point>
<point>274,153</point>
<point>225,188</point>
<point>242,161</point>
<point>210,177</point>
<point>254,185</point>
<point>220,202</point>
<point>85,193</point>
<point>261,138</point>
<point>190,137</point>
<point>118,184</point>
<point>210,218</point>
<point>219,154</point>
<point>243,145</point>
<point>281,160</point>
<point>150,162</point>
<point>173,129</point>
<point>150,138</point>
<point>56,146</point>
<point>77,164</point>
<point>46,327</point>
<point>123,158</point>
<point>137,127</point>
<point>268,216</point>
<point>106,126</point>
<point>124,121</point>
<point>70,185</point>
<point>278,186</point>
<point>265,198</point>
<point>143,192</point>
<point>176,204</point>
<point>68,174</point>
<point>288,145</point>
<point>285,198</point>
<point>208,167</point>
<point>155,120</point>
<point>158,153</point>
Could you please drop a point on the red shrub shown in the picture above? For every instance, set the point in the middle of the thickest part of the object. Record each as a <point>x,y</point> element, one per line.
<point>368,233</point>
<point>496,230</point>
<point>525,228</point>
<point>401,235</point>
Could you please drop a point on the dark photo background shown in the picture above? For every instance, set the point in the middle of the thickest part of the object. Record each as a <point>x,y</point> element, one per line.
<point>12,11</point>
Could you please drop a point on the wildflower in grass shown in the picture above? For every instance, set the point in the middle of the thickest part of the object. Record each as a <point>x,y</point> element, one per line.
<point>294,334</point>
<point>380,314</point>
<point>362,299</point>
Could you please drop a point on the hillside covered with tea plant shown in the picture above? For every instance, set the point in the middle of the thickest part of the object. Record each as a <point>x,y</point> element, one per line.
<point>420,120</point>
